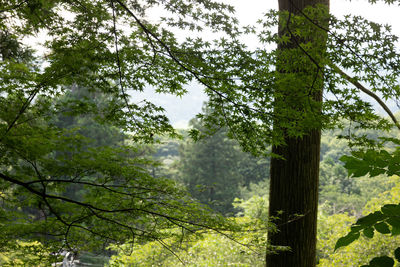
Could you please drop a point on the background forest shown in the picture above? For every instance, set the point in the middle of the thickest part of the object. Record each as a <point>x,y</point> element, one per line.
<point>216,172</point>
<point>219,174</point>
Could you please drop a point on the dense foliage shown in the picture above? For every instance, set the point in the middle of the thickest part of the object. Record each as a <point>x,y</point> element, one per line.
<point>215,168</point>
<point>343,199</point>
<point>332,224</point>
<point>74,171</point>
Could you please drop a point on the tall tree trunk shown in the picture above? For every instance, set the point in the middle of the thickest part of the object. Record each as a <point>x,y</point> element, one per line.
<point>293,196</point>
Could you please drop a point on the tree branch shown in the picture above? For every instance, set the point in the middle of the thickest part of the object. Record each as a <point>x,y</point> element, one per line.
<point>366,91</point>
<point>16,6</point>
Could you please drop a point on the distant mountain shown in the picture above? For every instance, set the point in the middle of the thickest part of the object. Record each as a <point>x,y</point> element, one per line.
<point>180,110</point>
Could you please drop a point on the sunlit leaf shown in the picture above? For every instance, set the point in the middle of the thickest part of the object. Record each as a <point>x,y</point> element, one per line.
<point>346,240</point>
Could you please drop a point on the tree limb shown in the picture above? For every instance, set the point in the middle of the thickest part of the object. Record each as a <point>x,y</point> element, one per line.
<point>367,91</point>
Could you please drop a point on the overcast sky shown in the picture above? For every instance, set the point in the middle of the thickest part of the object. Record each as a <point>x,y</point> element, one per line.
<point>181,110</point>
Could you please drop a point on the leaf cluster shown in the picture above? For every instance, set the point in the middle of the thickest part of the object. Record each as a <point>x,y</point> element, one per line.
<point>387,219</point>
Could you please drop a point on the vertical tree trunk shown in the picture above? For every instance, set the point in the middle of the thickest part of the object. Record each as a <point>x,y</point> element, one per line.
<point>294,181</point>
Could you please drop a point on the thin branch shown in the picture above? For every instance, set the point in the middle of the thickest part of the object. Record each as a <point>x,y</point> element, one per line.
<point>308,55</point>
<point>95,208</point>
<point>14,7</point>
<point>26,104</point>
<point>107,187</point>
<point>367,91</point>
<point>150,35</point>
<point>117,57</point>
<point>341,41</point>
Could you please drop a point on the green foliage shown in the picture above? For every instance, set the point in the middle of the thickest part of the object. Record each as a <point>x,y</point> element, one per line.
<point>215,168</point>
<point>246,247</point>
<point>374,162</point>
<point>20,253</point>
<point>208,250</point>
<point>370,241</point>
<point>380,221</point>
<point>383,261</point>
<point>359,46</point>
<point>254,207</point>
<point>69,176</point>
<point>371,232</point>
<point>339,192</point>
<point>330,227</point>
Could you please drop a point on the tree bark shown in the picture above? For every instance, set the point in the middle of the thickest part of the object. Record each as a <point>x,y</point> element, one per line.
<point>293,198</point>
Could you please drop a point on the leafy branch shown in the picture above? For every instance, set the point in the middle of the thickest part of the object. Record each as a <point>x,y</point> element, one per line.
<point>387,219</point>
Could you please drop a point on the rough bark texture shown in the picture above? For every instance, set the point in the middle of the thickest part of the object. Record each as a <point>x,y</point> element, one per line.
<point>294,186</point>
<point>294,191</point>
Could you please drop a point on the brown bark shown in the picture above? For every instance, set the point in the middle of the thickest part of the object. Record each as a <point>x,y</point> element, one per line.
<point>294,183</point>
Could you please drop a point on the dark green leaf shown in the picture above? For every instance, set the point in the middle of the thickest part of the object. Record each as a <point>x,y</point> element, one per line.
<point>383,261</point>
<point>376,171</point>
<point>361,171</point>
<point>391,210</point>
<point>397,254</point>
<point>394,221</point>
<point>393,168</point>
<point>382,228</point>
<point>355,166</point>
<point>356,228</point>
<point>346,240</point>
<point>395,231</point>
<point>369,232</point>
<point>370,219</point>
<point>381,163</point>
<point>370,156</point>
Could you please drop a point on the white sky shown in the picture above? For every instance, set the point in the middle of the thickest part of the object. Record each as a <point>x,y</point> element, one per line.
<point>180,111</point>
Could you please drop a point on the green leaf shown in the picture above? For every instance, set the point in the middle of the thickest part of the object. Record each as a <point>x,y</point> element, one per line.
<point>394,221</point>
<point>395,231</point>
<point>393,168</point>
<point>370,156</point>
<point>381,163</point>
<point>370,219</point>
<point>383,261</point>
<point>356,228</point>
<point>362,170</point>
<point>382,228</point>
<point>391,210</point>
<point>347,160</point>
<point>376,171</point>
<point>369,232</point>
<point>397,254</point>
<point>355,166</point>
<point>347,240</point>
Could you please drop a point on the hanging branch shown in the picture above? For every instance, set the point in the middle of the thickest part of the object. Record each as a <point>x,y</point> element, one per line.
<point>367,91</point>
